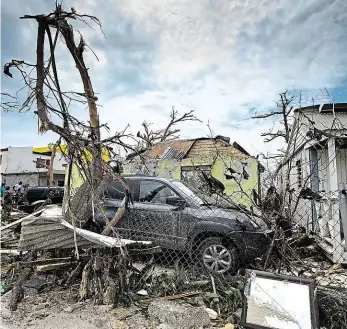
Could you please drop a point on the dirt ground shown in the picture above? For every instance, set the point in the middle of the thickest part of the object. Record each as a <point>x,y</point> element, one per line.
<point>61,310</point>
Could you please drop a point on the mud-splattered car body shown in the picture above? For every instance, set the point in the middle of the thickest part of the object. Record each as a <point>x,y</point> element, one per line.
<point>175,216</point>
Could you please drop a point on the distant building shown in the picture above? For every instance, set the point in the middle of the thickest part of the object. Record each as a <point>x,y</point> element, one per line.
<point>230,164</point>
<point>27,165</point>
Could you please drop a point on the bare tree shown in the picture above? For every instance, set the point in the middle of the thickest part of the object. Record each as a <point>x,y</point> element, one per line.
<point>285,108</point>
<point>85,144</point>
<point>52,101</point>
<point>150,137</point>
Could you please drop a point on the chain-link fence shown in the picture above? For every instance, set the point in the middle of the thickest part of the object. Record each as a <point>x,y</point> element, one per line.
<point>204,238</point>
<point>203,241</point>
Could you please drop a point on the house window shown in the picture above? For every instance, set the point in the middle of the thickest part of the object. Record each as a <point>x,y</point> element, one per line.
<point>187,172</point>
<point>299,173</point>
<point>43,163</point>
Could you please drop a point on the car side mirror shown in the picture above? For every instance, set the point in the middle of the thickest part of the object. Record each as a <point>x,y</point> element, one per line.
<point>174,200</point>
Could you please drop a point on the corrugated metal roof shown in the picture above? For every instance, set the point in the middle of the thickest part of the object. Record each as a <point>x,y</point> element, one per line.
<point>51,231</point>
<point>171,153</point>
<point>179,146</point>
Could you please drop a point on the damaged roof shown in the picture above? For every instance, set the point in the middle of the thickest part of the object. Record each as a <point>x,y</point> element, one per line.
<point>191,148</point>
<point>175,149</point>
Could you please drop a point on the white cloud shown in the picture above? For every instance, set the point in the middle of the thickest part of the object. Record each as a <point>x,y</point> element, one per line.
<point>217,57</point>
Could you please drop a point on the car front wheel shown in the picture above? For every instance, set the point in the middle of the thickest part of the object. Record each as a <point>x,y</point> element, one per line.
<point>218,256</point>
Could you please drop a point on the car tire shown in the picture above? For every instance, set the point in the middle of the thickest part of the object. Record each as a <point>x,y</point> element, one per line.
<point>217,256</point>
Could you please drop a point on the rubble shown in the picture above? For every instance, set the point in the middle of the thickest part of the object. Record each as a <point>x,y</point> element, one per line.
<point>179,316</point>
<point>213,315</point>
<point>332,306</point>
<point>147,280</point>
<point>34,286</point>
<point>142,292</point>
<point>169,292</point>
<point>229,326</point>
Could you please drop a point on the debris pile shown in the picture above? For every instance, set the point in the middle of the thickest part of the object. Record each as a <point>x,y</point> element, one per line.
<point>104,271</point>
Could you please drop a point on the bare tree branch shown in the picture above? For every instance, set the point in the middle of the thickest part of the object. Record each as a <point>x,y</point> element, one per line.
<point>266,115</point>
<point>150,137</point>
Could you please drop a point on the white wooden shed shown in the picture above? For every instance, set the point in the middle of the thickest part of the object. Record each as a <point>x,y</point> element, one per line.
<point>313,171</point>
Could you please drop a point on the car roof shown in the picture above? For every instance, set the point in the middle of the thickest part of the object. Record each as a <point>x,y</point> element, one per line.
<point>147,177</point>
<point>44,187</point>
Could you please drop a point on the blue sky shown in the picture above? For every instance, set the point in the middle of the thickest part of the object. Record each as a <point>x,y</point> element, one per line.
<point>224,59</point>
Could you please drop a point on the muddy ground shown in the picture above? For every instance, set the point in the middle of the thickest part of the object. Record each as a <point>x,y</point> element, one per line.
<point>60,309</point>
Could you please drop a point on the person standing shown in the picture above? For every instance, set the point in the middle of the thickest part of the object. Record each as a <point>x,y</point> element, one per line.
<point>7,196</point>
<point>7,205</point>
<point>2,189</point>
<point>18,187</point>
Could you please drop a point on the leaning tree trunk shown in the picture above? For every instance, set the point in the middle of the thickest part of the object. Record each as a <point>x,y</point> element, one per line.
<point>80,208</point>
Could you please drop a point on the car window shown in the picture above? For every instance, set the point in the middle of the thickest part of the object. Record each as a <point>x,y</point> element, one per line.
<point>115,190</point>
<point>155,192</point>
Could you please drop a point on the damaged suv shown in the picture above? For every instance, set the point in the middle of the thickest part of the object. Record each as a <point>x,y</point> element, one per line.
<point>176,216</point>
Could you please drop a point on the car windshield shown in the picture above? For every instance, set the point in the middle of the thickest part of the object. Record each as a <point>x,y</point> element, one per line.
<point>201,198</point>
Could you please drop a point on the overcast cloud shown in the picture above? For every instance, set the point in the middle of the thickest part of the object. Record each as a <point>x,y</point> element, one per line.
<point>224,59</point>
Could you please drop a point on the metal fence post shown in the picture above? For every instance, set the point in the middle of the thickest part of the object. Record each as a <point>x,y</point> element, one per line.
<point>343,212</point>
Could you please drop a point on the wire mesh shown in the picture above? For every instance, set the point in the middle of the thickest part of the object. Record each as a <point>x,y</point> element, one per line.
<point>208,236</point>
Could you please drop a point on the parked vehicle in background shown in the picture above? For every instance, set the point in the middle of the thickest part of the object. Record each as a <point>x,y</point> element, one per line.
<point>176,216</point>
<point>35,197</point>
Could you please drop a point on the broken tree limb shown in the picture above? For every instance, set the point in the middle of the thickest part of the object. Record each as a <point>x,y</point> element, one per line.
<point>173,297</point>
<point>119,214</point>
<point>80,206</point>
<point>75,273</point>
<point>14,252</point>
<point>200,283</point>
<point>53,267</point>
<point>17,291</point>
<point>84,287</point>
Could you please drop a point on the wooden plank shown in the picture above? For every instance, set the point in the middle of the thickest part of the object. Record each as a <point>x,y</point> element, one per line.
<point>55,266</point>
<point>173,297</point>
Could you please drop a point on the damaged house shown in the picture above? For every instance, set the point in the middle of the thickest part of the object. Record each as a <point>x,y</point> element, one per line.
<point>234,170</point>
<point>314,175</point>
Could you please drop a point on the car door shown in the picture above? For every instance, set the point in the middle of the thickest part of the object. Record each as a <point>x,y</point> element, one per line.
<point>153,219</point>
<point>114,196</point>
